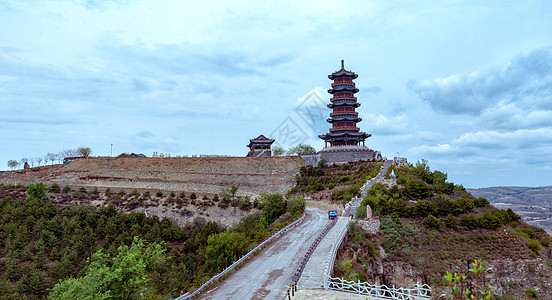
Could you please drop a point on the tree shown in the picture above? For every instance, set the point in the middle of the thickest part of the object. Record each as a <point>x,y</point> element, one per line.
<point>50,157</point>
<point>23,161</point>
<point>12,163</point>
<point>273,206</point>
<point>278,151</point>
<point>38,160</point>
<point>84,151</point>
<point>37,191</point>
<point>120,277</point>
<point>301,149</point>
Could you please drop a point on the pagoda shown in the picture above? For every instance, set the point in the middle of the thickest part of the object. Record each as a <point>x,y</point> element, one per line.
<point>344,118</point>
<point>260,146</point>
<point>345,141</point>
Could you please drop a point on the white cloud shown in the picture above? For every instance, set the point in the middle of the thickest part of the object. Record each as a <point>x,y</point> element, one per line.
<point>526,81</point>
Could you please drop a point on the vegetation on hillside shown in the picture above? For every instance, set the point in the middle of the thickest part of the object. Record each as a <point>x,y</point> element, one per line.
<point>344,180</point>
<point>431,225</point>
<point>41,244</point>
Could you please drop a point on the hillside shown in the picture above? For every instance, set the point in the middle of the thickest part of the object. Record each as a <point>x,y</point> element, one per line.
<point>252,175</point>
<point>429,226</point>
<point>533,204</point>
<point>44,239</point>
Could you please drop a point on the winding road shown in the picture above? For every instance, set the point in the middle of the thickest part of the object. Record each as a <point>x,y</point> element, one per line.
<point>268,274</point>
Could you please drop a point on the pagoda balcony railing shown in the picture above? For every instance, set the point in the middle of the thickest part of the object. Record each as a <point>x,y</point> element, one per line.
<point>346,113</point>
<point>342,80</point>
<point>343,83</point>
<point>336,97</point>
<point>333,129</point>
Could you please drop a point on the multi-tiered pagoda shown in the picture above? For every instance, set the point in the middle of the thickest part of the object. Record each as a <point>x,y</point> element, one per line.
<point>345,141</point>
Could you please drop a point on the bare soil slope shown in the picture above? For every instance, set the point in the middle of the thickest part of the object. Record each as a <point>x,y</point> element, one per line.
<point>191,174</point>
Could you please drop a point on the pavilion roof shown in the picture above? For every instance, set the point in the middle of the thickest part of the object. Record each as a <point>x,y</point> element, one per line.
<point>261,139</point>
<point>342,72</point>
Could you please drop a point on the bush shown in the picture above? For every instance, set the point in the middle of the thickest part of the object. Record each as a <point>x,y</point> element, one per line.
<point>481,202</point>
<point>159,194</point>
<point>216,197</point>
<point>273,206</point>
<point>182,195</point>
<point>296,206</point>
<point>417,189</point>
<point>205,197</point>
<point>431,222</point>
<point>532,293</point>
<point>55,188</point>
<point>533,245</point>
<point>193,196</point>
<point>450,222</point>
<point>173,194</point>
<point>469,222</point>
<point>108,192</point>
<point>66,189</point>
<point>361,212</point>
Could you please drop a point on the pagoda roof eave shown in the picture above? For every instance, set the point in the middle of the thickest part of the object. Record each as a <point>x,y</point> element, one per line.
<point>355,104</point>
<point>341,134</point>
<point>343,88</point>
<point>342,72</point>
<point>334,119</point>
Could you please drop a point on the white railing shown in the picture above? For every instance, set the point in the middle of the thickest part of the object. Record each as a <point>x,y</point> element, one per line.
<point>333,255</point>
<point>418,292</point>
<point>237,262</point>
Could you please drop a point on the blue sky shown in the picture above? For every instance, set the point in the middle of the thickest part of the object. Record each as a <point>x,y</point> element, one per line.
<point>466,85</point>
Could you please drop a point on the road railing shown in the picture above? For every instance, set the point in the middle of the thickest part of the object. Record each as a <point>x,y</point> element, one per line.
<point>418,292</point>
<point>311,249</point>
<point>333,255</point>
<point>240,260</point>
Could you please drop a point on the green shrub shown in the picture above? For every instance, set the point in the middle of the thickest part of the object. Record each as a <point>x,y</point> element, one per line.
<point>450,221</point>
<point>481,202</point>
<point>193,196</point>
<point>532,293</point>
<point>182,195</point>
<point>533,245</point>
<point>54,188</point>
<point>216,197</point>
<point>431,222</point>
<point>173,194</point>
<point>361,212</point>
<point>108,192</point>
<point>159,194</point>
<point>205,197</point>
<point>469,222</point>
<point>146,194</point>
<point>66,189</point>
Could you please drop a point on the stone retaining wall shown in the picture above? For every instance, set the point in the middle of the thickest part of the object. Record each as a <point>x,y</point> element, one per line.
<point>252,175</point>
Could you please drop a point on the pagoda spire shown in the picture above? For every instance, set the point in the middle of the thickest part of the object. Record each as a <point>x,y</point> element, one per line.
<point>342,64</point>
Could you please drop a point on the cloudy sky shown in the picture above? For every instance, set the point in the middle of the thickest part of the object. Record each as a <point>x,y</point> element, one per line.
<point>465,85</point>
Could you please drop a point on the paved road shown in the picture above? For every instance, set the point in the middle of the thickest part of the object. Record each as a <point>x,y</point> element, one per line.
<point>268,274</point>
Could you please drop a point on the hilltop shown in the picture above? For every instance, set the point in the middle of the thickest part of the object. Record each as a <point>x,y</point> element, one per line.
<point>252,175</point>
